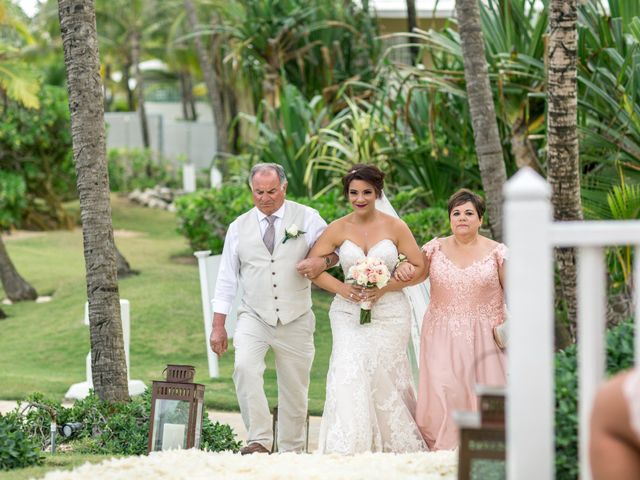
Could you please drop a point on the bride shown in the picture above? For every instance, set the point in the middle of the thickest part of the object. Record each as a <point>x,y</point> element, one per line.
<point>370,401</point>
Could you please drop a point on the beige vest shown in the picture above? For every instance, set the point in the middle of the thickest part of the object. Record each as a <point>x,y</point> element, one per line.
<point>273,288</point>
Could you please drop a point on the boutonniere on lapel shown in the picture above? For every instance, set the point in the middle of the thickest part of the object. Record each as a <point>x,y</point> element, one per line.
<point>292,232</point>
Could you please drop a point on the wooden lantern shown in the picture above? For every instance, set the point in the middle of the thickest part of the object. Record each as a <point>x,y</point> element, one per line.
<point>482,451</point>
<point>177,407</point>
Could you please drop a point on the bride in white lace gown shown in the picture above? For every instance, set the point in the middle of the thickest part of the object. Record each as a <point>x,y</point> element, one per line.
<point>370,400</point>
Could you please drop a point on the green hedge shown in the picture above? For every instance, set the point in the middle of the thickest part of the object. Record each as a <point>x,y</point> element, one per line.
<point>204,216</point>
<point>619,357</point>
<point>17,449</point>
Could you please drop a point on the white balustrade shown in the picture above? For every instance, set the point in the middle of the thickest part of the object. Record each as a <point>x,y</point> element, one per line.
<point>531,236</point>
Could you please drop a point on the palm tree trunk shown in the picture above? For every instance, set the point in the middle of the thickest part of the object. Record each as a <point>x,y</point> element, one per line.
<point>80,42</point>
<point>522,148</point>
<point>15,287</point>
<point>412,23</point>
<point>563,164</point>
<point>211,81</point>
<point>131,101</point>
<point>135,56</point>
<point>483,116</point>
<point>183,96</point>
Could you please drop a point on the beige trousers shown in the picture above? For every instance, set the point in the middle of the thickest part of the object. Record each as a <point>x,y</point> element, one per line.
<point>294,350</point>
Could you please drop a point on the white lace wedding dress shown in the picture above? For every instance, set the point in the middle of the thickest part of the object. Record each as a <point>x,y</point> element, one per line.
<point>370,401</point>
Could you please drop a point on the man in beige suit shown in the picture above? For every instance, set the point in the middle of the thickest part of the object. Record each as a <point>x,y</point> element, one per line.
<point>264,252</point>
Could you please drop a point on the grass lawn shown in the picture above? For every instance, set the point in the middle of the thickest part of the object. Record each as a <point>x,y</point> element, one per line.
<point>43,346</point>
<point>59,461</point>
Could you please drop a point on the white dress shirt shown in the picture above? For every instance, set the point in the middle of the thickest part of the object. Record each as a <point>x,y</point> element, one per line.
<point>227,281</point>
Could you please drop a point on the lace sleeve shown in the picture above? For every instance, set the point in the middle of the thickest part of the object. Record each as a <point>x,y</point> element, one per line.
<point>501,253</point>
<point>431,247</point>
<point>632,395</point>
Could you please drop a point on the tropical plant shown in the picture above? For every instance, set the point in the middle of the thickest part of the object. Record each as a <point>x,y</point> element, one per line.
<point>78,27</point>
<point>17,80</point>
<point>207,67</point>
<point>482,110</point>
<point>609,103</point>
<point>36,145</point>
<point>624,203</point>
<point>312,44</point>
<point>287,134</point>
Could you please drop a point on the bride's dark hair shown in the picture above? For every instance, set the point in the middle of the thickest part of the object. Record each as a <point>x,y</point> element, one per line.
<point>367,173</point>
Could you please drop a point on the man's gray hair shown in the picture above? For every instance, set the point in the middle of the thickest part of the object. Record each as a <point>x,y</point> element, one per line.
<point>265,167</point>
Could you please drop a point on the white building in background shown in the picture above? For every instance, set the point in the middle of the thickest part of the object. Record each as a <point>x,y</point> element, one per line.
<point>170,137</point>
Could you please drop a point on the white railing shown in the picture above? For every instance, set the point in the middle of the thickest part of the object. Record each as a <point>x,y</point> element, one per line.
<point>208,266</point>
<point>531,235</point>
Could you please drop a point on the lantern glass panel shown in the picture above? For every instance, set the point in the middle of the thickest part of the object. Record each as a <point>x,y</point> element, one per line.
<point>486,469</point>
<point>170,424</point>
<point>198,432</point>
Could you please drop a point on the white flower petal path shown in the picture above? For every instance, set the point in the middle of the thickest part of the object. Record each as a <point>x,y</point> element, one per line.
<point>198,465</point>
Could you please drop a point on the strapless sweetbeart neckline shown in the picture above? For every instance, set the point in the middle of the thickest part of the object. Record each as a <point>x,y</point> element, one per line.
<point>366,254</point>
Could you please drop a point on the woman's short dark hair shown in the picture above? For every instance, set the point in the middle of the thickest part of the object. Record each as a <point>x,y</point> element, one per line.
<point>463,196</point>
<point>367,173</point>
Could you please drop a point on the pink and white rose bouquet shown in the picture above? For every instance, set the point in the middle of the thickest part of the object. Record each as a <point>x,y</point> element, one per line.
<point>368,272</point>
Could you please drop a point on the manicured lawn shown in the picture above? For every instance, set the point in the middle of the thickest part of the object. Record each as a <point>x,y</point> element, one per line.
<point>59,461</point>
<point>43,346</point>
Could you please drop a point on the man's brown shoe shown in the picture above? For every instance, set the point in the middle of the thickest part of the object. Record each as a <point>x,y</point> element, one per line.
<point>253,447</point>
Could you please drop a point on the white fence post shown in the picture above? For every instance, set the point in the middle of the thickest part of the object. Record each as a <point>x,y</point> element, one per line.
<point>136,387</point>
<point>215,177</point>
<point>592,300</point>
<point>208,266</point>
<point>530,405</point>
<point>206,297</point>
<point>189,177</point>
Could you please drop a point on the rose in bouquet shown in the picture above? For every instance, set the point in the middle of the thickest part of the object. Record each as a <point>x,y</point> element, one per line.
<point>368,272</point>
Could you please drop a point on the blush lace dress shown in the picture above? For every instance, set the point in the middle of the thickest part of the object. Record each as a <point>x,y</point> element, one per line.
<point>457,350</point>
<point>370,400</point>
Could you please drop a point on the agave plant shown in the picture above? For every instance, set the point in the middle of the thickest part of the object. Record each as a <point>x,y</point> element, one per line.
<point>513,32</point>
<point>609,50</point>
<point>624,204</point>
<point>287,135</point>
<point>312,44</point>
<point>357,134</point>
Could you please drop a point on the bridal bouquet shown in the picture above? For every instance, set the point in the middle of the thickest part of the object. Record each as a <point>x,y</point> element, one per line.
<point>368,272</point>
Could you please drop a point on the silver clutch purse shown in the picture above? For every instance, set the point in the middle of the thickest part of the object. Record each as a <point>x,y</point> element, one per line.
<point>500,335</point>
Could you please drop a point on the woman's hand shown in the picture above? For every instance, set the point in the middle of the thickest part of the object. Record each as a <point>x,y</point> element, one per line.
<point>372,294</point>
<point>404,272</point>
<point>351,292</point>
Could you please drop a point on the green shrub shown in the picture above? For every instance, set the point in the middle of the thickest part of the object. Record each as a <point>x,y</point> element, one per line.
<point>17,449</point>
<point>205,215</point>
<point>619,357</point>
<point>131,169</point>
<point>428,223</point>
<point>110,428</point>
<point>36,145</point>
<point>13,200</point>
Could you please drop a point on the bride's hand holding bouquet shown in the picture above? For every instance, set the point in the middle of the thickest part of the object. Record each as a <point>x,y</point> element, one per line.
<point>371,274</point>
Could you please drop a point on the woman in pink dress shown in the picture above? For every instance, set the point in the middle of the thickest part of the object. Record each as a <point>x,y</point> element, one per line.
<point>615,429</point>
<point>457,349</point>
